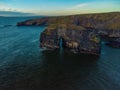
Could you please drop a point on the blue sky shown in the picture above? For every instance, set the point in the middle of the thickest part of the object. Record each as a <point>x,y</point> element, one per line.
<point>60,7</point>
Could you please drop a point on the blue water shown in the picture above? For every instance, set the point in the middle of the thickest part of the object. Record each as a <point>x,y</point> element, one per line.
<point>25,66</point>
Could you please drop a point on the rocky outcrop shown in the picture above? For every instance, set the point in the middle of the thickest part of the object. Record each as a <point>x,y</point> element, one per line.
<point>112,37</point>
<point>34,22</point>
<point>77,39</point>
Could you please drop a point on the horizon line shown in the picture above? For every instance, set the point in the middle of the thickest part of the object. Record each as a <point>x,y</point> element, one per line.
<point>33,14</point>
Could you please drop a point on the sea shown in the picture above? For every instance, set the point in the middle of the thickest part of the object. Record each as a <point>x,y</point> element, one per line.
<point>26,66</point>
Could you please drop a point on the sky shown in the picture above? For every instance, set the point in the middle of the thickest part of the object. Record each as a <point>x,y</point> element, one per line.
<point>57,7</point>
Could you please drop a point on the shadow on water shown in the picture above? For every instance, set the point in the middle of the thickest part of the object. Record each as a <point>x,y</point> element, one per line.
<point>64,73</point>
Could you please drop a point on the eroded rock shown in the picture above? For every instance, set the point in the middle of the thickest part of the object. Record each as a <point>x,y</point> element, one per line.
<point>79,40</point>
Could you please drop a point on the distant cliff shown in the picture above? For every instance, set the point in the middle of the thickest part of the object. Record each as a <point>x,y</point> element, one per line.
<point>80,33</point>
<point>98,21</point>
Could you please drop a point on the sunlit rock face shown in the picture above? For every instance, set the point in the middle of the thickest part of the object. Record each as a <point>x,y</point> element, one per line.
<point>76,38</point>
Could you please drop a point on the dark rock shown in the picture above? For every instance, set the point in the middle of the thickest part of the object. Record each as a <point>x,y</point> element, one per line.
<point>33,22</point>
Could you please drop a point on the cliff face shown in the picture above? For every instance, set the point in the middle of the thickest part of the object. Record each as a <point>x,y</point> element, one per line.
<point>77,39</point>
<point>79,33</point>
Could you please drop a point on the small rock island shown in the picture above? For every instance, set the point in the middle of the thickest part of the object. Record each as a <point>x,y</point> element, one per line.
<point>79,33</point>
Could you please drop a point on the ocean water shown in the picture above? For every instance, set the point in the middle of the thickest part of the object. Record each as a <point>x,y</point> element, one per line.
<point>25,66</point>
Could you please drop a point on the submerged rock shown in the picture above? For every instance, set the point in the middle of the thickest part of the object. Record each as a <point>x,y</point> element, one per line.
<point>75,38</point>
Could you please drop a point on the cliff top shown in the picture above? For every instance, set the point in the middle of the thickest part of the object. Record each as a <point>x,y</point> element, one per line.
<point>110,21</point>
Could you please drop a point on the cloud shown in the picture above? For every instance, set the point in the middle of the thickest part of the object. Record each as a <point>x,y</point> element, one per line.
<point>11,13</point>
<point>80,6</point>
<point>4,7</point>
<point>6,10</point>
<point>75,9</point>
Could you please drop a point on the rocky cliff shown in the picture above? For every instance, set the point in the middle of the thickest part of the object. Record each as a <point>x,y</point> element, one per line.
<point>79,33</point>
<point>76,38</point>
<point>109,21</point>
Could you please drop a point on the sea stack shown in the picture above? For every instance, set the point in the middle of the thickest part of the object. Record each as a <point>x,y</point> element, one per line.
<point>76,38</point>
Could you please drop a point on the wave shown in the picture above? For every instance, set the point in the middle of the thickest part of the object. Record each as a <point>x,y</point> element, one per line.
<point>2,26</point>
